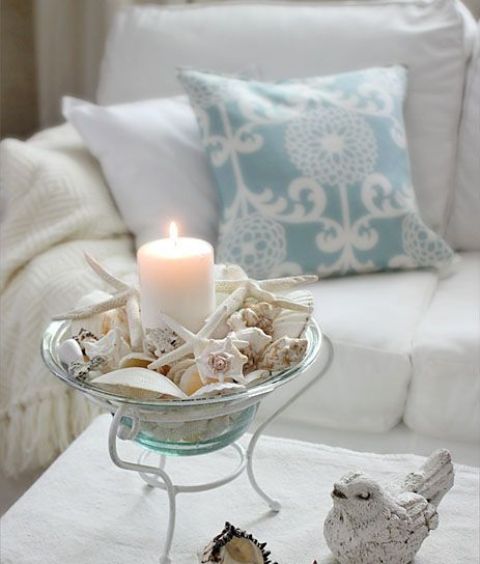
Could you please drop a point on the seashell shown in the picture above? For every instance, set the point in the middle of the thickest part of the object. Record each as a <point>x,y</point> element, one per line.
<point>133,359</point>
<point>218,389</point>
<point>257,377</point>
<point>254,314</point>
<point>70,351</point>
<point>283,353</point>
<point>112,347</point>
<point>176,371</point>
<point>219,360</point>
<point>229,272</point>
<point>256,341</point>
<point>100,323</point>
<point>234,546</point>
<point>139,383</point>
<point>81,370</point>
<point>190,381</point>
<point>289,323</point>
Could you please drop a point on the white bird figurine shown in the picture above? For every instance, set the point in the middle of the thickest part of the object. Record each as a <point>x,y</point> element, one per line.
<point>371,524</point>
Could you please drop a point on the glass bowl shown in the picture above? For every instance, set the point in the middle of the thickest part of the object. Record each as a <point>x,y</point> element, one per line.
<point>181,427</point>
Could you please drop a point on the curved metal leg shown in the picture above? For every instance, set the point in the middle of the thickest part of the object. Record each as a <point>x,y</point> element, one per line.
<point>117,429</point>
<point>272,503</point>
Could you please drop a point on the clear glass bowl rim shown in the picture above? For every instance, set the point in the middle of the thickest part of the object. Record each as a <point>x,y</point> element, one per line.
<point>55,332</point>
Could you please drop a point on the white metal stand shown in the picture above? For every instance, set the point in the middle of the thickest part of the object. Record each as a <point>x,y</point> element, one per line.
<point>157,476</point>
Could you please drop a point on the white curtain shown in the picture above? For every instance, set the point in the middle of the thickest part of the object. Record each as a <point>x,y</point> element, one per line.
<point>69,37</point>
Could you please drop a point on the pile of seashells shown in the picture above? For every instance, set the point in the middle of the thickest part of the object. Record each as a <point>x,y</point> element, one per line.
<point>256,330</point>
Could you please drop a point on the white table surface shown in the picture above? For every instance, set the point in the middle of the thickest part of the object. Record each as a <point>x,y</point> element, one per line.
<point>84,510</point>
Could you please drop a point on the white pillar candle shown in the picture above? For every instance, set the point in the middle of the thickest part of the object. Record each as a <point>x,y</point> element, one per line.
<point>176,278</point>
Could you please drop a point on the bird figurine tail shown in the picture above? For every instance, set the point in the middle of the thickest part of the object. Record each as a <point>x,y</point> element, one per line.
<point>432,480</point>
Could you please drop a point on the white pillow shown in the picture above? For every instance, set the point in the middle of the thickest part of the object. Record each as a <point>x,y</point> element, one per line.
<point>302,39</point>
<point>153,160</point>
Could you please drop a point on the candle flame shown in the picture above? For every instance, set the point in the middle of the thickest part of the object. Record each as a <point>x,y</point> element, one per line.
<point>173,233</point>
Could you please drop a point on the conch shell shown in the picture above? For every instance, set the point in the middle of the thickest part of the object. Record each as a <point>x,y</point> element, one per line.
<point>256,341</point>
<point>139,383</point>
<point>289,323</point>
<point>234,546</point>
<point>283,353</point>
<point>255,314</point>
<point>219,359</point>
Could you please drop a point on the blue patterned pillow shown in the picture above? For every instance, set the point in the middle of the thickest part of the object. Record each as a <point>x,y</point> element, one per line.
<point>313,174</point>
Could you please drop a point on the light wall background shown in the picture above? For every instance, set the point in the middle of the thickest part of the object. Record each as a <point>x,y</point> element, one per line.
<point>50,48</point>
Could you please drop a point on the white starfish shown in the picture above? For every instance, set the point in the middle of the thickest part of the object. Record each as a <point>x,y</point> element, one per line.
<point>264,290</point>
<point>194,341</point>
<point>125,295</point>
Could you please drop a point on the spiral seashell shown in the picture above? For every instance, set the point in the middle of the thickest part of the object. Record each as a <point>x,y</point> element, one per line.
<point>256,341</point>
<point>283,353</point>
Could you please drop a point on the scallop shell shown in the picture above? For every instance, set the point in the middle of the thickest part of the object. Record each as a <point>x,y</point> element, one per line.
<point>290,323</point>
<point>139,383</point>
<point>234,546</point>
<point>136,359</point>
<point>218,389</point>
<point>283,353</point>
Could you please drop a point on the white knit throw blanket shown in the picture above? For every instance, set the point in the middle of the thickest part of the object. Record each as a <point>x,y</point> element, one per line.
<point>57,207</point>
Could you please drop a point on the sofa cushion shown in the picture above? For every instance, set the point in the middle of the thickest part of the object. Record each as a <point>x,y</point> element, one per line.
<point>371,320</point>
<point>444,397</point>
<point>152,158</point>
<point>464,226</point>
<point>288,40</point>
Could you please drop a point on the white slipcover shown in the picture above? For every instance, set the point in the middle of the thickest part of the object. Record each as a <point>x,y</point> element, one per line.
<point>371,320</point>
<point>464,225</point>
<point>444,396</point>
<point>287,40</point>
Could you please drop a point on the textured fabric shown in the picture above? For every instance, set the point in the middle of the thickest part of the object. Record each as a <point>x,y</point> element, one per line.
<point>314,174</point>
<point>464,226</point>
<point>57,207</point>
<point>301,39</point>
<point>444,396</point>
<point>84,510</point>
<point>152,158</point>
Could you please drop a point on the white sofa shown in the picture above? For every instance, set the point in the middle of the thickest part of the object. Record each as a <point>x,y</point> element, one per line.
<point>406,343</point>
